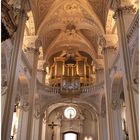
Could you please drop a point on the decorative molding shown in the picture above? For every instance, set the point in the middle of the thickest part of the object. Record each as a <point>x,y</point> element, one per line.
<point>133,29</point>
<point>125,10</point>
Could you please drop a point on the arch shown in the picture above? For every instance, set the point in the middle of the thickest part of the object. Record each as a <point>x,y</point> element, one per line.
<point>52,107</point>
<point>80,47</point>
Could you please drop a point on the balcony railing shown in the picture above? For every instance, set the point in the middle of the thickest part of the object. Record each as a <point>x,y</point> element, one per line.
<point>89,89</point>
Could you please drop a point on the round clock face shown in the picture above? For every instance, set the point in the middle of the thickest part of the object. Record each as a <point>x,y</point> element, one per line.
<point>70,112</point>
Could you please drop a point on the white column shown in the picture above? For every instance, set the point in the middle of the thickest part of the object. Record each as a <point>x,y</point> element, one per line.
<point>122,15</point>
<point>43,131</point>
<point>40,128</point>
<point>35,129</point>
<point>31,119</point>
<point>103,124</point>
<point>116,115</point>
<point>107,52</point>
<point>57,134</point>
<point>10,99</point>
<point>100,135</point>
<point>22,123</point>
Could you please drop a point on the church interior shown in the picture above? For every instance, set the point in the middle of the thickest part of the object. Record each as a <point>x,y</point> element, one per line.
<point>69,69</point>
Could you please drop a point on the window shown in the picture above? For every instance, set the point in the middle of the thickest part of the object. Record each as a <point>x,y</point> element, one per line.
<point>70,113</point>
<point>70,136</point>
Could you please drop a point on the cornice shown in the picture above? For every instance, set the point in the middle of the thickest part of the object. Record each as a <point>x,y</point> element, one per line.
<point>125,10</point>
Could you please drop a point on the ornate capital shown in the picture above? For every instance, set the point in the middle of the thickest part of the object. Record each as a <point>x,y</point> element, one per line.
<point>125,10</point>
<point>108,41</point>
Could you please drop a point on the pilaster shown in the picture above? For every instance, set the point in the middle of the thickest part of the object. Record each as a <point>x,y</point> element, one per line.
<point>100,134</point>
<point>13,76</point>
<point>103,123</point>
<point>107,48</point>
<point>122,16</point>
<point>33,90</point>
<point>116,115</point>
<point>127,13</point>
<point>23,120</point>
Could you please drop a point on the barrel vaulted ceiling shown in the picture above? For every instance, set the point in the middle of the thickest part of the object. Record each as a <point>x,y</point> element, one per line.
<point>61,24</point>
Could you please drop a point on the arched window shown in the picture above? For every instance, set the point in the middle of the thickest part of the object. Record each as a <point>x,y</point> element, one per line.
<point>70,136</point>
